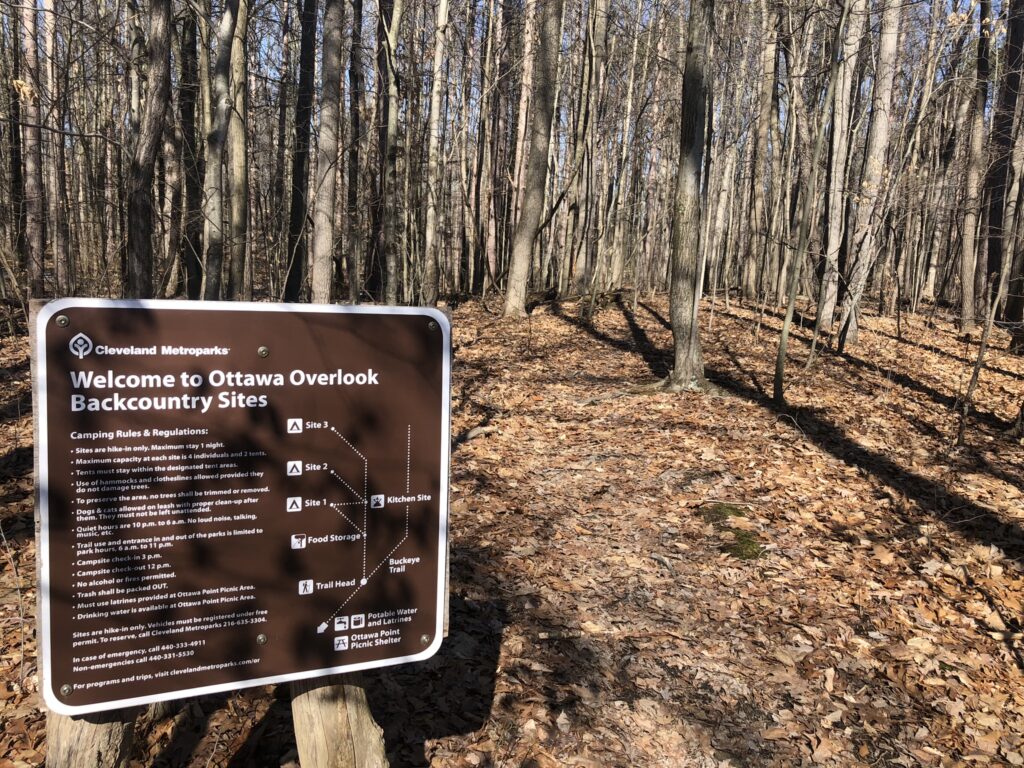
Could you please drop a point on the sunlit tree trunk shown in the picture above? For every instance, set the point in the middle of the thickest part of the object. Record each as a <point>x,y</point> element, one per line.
<point>863,250</point>
<point>213,199</point>
<point>237,160</point>
<point>433,191</point>
<point>687,258</point>
<point>545,71</point>
<point>32,153</point>
<point>322,273</point>
<point>975,169</point>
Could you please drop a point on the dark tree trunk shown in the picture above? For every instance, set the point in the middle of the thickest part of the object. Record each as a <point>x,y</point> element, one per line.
<point>687,262</point>
<point>295,282</point>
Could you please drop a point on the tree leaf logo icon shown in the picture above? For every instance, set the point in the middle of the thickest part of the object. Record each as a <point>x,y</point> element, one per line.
<point>81,345</point>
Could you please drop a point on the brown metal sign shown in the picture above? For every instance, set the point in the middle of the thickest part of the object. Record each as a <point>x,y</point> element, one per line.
<point>237,494</point>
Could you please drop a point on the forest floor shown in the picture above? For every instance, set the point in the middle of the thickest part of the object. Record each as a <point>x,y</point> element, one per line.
<point>655,579</point>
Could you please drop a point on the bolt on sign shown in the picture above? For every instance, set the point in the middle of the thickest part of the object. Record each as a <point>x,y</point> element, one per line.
<point>237,494</point>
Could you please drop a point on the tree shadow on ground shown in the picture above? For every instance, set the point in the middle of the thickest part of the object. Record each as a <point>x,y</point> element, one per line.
<point>449,694</point>
<point>948,507</point>
<point>948,401</point>
<point>951,355</point>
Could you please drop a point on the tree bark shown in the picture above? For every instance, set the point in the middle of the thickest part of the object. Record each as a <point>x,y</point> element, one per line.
<point>322,275</point>
<point>32,152</point>
<point>428,294</point>
<point>842,113</point>
<point>757,230</point>
<point>385,249</point>
<point>213,204</point>
<point>863,249</point>
<point>238,161</point>
<point>545,71</point>
<point>299,208</point>
<point>355,100</point>
<point>139,282</point>
<point>188,94</point>
<point>1001,138</point>
<point>975,170</point>
<point>687,259</point>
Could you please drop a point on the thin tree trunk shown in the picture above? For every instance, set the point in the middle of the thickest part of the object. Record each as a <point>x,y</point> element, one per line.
<point>388,23</point>
<point>298,210</point>
<point>545,72</point>
<point>975,170</point>
<point>32,152</point>
<point>355,99</point>
<point>321,277</point>
<point>807,203</point>
<point>757,230</point>
<point>188,93</point>
<point>57,226</point>
<point>238,162</point>
<point>428,293</point>
<point>139,282</point>
<point>213,204</point>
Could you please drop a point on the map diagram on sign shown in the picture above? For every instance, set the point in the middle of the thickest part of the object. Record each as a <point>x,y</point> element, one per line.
<point>369,521</point>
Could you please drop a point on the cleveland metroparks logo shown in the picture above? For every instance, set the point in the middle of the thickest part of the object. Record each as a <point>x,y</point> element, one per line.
<point>80,345</point>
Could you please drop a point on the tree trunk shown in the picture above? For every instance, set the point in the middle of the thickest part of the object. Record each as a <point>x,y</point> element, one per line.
<point>32,152</point>
<point>862,248</point>
<point>687,259</point>
<point>298,210</point>
<point>188,94</point>
<point>322,274</point>
<point>545,71</point>
<point>428,293</point>
<point>238,162</point>
<point>975,170</point>
<point>102,740</point>
<point>57,226</point>
<point>355,101</point>
<point>806,209</point>
<point>1002,137</point>
<point>757,230</point>
<point>842,112</point>
<point>139,282</point>
<point>388,22</point>
<point>213,207</point>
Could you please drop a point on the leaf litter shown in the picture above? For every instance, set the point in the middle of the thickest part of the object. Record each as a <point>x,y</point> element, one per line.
<point>600,612</point>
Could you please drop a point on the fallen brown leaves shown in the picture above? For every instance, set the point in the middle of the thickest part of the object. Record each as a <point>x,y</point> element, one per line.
<point>597,616</point>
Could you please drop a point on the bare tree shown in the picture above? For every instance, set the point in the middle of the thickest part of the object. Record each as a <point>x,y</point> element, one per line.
<point>213,203</point>
<point>428,293</point>
<point>322,273</point>
<point>139,280</point>
<point>687,256</point>
<point>545,70</point>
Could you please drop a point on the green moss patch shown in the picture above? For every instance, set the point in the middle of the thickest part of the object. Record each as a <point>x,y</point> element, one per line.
<point>744,544</point>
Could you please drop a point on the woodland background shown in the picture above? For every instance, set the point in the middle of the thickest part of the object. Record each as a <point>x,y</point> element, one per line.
<point>334,151</point>
<point>814,567</point>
